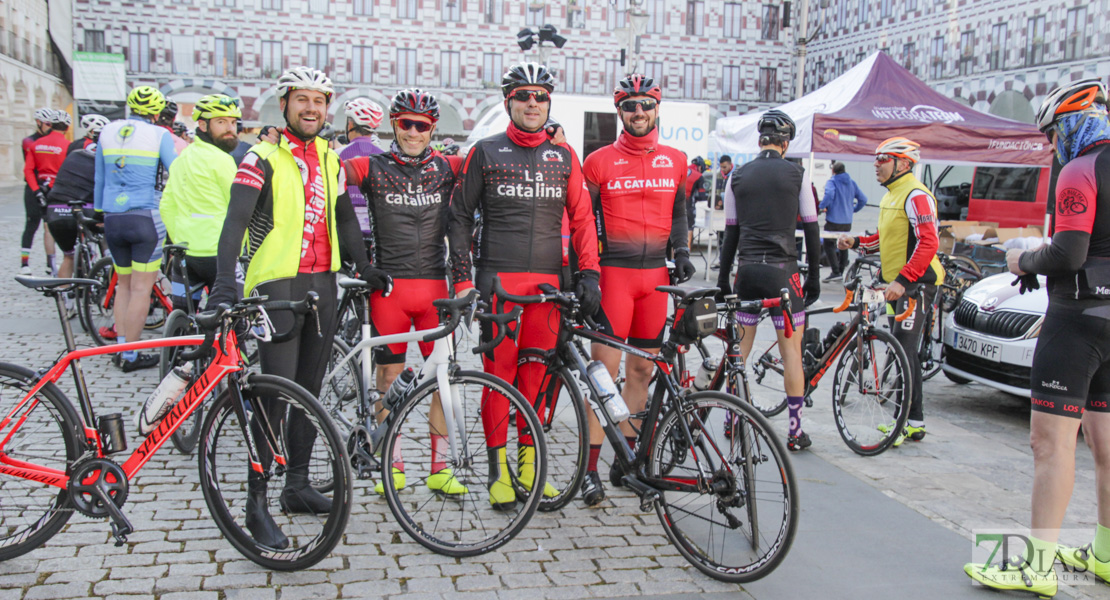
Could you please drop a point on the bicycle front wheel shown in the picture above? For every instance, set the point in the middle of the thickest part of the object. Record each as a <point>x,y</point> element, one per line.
<point>450,509</point>
<point>241,499</point>
<point>43,433</point>
<point>768,374</point>
<point>567,431</point>
<point>738,525</point>
<point>343,393</point>
<point>97,302</point>
<point>871,391</point>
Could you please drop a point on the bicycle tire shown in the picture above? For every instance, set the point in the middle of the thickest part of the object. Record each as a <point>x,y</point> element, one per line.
<point>768,372</point>
<point>224,472</point>
<point>341,395</point>
<point>93,309</point>
<point>732,550</point>
<point>872,422</point>
<point>566,429</point>
<point>965,274</point>
<point>156,314</point>
<point>32,512</point>
<point>466,524</point>
<point>82,267</point>
<point>185,437</point>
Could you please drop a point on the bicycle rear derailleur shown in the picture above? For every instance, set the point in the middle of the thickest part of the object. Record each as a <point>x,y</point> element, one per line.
<point>98,488</point>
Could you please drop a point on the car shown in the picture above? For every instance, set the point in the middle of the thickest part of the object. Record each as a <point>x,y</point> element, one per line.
<point>990,336</point>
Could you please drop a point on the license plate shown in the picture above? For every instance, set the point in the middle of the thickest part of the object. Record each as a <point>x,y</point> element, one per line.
<point>981,348</point>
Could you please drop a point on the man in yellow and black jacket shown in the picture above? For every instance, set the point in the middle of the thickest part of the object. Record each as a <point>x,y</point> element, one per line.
<point>290,214</point>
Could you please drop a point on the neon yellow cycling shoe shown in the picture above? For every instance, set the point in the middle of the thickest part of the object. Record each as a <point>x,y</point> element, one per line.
<point>526,465</point>
<point>1014,574</point>
<point>398,482</point>
<point>502,495</point>
<point>444,482</point>
<point>898,440</point>
<point>1083,560</point>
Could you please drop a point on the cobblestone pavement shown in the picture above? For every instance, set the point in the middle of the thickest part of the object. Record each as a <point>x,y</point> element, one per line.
<point>973,470</point>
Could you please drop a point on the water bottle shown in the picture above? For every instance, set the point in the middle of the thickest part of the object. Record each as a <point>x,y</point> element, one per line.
<point>398,388</point>
<point>611,399</point>
<point>705,374</point>
<point>163,398</point>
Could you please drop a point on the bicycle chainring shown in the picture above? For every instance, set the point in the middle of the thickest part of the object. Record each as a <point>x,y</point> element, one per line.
<point>360,448</point>
<point>89,474</point>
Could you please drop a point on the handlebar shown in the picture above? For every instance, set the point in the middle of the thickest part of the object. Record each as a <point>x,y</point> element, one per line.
<point>210,321</point>
<point>850,294</point>
<point>911,305</point>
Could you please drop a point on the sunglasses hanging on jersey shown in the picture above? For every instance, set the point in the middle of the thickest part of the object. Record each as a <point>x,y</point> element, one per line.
<point>524,95</point>
<point>629,106</point>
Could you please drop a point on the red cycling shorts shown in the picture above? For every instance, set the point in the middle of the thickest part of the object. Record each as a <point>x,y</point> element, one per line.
<point>631,308</point>
<point>409,305</point>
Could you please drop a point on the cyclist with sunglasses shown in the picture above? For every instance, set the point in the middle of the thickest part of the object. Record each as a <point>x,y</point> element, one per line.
<point>638,188</point>
<point>524,185</point>
<point>407,193</point>
<point>907,242</point>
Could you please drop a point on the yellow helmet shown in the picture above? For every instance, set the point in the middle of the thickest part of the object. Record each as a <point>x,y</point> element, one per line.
<point>145,100</point>
<point>214,106</point>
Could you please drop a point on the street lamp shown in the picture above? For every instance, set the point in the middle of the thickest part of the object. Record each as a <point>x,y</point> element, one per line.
<point>547,33</point>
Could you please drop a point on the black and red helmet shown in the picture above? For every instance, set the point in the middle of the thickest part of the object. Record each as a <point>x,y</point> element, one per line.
<point>637,85</point>
<point>414,101</point>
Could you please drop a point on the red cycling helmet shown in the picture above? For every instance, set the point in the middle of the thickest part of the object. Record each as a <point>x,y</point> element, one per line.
<point>636,85</point>
<point>414,101</point>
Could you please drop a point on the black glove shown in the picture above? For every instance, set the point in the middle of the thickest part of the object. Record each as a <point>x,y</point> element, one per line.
<point>376,278</point>
<point>589,292</point>
<point>222,295</point>
<point>683,268</point>
<point>812,288</point>
<point>41,197</point>
<point>1028,283</point>
<point>723,289</point>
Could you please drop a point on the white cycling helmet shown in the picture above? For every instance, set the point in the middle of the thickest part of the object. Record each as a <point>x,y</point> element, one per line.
<point>900,147</point>
<point>305,78</point>
<point>365,112</point>
<point>1071,98</point>
<point>60,117</point>
<point>93,123</point>
<point>43,114</point>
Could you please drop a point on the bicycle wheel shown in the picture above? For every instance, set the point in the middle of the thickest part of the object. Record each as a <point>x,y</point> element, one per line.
<point>767,373</point>
<point>463,523</point>
<point>157,313</point>
<point>342,394</point>
<point>349,327</point>
<point>82,269</point>
<point>32,512</point>
<point>96,304</point>
<point>567,431</point>
<point>230,485</point>
<point>738,526</point>
<point>961,273</point>
<point>871,391</point>
<point>184,438</point>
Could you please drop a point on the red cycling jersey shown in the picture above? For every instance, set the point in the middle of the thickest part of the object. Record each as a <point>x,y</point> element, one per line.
<point>44,157</point>
<point>639,195</point>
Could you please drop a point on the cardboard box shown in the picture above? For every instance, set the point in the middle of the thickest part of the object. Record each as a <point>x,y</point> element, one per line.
<point>957,231</point>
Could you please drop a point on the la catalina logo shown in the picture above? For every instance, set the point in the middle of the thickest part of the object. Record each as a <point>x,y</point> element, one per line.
<point>551,156</point>
<point>662,162</point>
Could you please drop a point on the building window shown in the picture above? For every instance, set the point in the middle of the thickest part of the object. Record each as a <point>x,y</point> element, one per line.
<point>730,83</point>
<point>614,72</point>
<point>138,53</point>
<point>406,67</point>
<point>406,9</point>
<point>657,16</point>
<point>493,68</point>
<point>318,56</point>
<point>864,5</point>
<point>318,7</point>
<point>838,66</point>
<point>768,84</point>
<point>998,47</point>
<point>575,77</point>
<point>183,63</point>
<point>362,64</point>
<point>911,5</point>
<point>937,56</point>
<point>224,3</point>
<point>1076,38</point>
<point>225,57</point>
<point>886,8</point>
<point>271,4</point>
<point>691,82</point>
<point>908,52</point>
<point>495,11</point>
<point>576,15</point>
<point>452,10</point>
<point>733,20</point>
<point>271,60</point>
<point>449,62</point>
<point>654,71</point>
<point>695,17</point>
<point>860,57</point>
<point>534,14</point>
<point>617,15</point>
<point>94,41</point>
<point>821,73</point>
<point>842,14</point>
<point>770,29</point>
<point>364,8</point>
<point>967,52</point>
<point>1034,41</point>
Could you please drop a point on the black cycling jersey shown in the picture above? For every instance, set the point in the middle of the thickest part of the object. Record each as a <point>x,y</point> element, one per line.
<point>407,201</point>
<point>74,181</point>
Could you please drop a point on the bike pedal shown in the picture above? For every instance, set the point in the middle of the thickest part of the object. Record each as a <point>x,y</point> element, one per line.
<point>120,532</point>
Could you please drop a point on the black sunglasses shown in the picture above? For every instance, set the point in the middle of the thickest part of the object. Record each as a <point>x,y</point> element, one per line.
<point>524,95</point>
<point>407,124</point>
<point>645,103</point>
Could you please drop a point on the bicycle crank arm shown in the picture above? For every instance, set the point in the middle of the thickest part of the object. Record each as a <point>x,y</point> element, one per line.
<point>121,527</point>
<point>648,495</point>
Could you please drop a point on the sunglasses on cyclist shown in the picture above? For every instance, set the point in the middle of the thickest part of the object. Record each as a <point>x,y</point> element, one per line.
<point>524,95</point>
<point>647,104</point>
<point>882,159</point>
<point>407,124</point>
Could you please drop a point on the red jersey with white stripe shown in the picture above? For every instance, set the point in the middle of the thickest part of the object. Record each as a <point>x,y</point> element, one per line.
<point>44,157</point>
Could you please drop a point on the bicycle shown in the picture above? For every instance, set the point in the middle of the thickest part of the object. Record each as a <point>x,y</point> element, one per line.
<point>719,479</point>
<point>58,457</point>
<point>960,273</point>
<point>442,399</point>
<point>871,382</point>
<point>97,303</point>
<point>88,249</point>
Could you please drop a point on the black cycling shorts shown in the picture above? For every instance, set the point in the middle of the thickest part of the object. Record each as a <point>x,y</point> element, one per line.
<point>135,240</point>
<point>62,225</point>
<point>756,281</point>
<point>1071,365</point>
<point>691,215</point>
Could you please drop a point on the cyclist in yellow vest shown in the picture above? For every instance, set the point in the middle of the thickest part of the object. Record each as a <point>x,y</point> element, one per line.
<point>290,213</point>
<point>907,243</point>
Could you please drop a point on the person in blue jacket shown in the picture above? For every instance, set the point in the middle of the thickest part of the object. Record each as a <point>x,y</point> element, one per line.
<point>840,193</point>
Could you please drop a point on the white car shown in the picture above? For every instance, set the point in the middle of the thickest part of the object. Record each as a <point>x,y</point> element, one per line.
<point>991,335</point>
